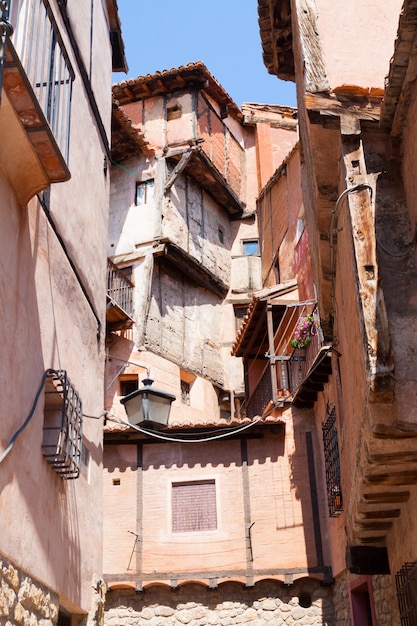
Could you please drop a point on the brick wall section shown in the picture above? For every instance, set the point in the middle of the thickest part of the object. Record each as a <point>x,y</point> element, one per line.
<point>23,600</point>
<point>267,603</point>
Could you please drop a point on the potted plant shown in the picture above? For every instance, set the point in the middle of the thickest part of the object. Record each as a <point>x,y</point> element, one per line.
<point>336,496</point>
<point>303,331</point>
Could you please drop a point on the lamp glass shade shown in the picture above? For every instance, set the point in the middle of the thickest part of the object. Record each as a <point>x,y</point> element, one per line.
<point>148,406</point>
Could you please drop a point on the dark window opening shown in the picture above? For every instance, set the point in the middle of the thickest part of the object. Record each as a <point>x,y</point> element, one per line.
<point>173,112</point>
<point>194,506</point>
<point>332,465</point>
<point>64,619</point>
<point>144,192</point>
<point>185,392</point>
<point>240,313</point>
<point>221,235</point>
<point>305,600</point>
<point>128,385</point>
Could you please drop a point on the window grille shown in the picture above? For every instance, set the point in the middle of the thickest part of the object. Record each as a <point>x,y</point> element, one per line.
<point>62,430</point>
<point>332,465</point>
<point>194,506</point>
<point>406,582</point>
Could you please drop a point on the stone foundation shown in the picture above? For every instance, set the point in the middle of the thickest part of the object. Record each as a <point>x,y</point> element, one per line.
<point>384,595</point>
<point>23,600</point>
<point>305,603</point>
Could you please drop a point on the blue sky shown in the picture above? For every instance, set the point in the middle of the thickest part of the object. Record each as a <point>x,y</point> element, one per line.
<point>224,34</point>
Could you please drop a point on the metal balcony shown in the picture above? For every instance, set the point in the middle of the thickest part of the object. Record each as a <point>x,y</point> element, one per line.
<point>119,311</point>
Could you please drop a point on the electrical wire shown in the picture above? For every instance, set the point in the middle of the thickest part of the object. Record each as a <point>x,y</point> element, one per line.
<point>27,420</point>
<point>114,418</point>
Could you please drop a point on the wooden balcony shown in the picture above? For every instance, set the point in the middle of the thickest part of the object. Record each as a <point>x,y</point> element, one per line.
<point>119,310</point>
<point>278,373</point>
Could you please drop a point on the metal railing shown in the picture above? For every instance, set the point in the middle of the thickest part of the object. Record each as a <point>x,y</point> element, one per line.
<point>119,288</point>
<point>41,51</point>
<point>291,370</point>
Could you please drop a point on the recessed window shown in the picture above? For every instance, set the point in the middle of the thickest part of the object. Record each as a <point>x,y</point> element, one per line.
<point>221,235</point>
<point>173,112</point>
<point>332,464</point>
<point>116,482</point>
<point>185,392</point>
<point>194,506</point>
<point>186,381</point>
<point>250,247</point>
<point>240,313</point>
<point>128,384</point>
<point>144,192</point>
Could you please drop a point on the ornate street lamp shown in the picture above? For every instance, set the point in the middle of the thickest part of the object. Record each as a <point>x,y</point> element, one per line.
<point>148,406</point>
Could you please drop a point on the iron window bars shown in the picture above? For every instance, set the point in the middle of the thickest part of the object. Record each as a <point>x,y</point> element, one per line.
<point>42,53</point>
<point>62,431</point>
<point>406,583</point>
<point>332,465</point>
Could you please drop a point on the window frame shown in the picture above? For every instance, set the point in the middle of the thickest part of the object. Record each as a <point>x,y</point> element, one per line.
<point>180,525</point>
<point>148,196</point>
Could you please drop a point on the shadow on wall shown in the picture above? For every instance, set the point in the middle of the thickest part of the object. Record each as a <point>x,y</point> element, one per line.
<point>269,601</point>
<point>225,453</point>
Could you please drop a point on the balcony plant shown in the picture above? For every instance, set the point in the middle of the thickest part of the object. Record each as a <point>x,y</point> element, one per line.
<point>303,331</point>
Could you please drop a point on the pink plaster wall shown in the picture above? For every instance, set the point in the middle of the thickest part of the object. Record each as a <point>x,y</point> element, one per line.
<point>280,509</point>
<point>50,527</point>
<point>357,39</point>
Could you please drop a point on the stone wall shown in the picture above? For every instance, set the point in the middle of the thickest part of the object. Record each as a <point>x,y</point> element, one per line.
<point>23,600</point>
<point>269,602</point>
<point>384,596</point>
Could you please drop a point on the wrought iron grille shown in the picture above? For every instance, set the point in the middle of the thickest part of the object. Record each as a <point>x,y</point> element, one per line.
<point>406,582</point>
<point>119,288</point>
<point>332,465</point>
<point>62,430</point>
<point>42,53</point>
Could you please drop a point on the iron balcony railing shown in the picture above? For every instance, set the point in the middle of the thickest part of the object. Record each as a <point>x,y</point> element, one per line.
<point>39,45</point>
<point>290,371</point>
<point>119,288</point>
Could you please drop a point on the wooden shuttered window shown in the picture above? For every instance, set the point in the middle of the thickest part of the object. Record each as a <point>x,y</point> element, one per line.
<point>194,506</point>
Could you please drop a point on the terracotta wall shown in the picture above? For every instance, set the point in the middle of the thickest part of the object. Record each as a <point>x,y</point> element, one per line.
<point>270,491</point>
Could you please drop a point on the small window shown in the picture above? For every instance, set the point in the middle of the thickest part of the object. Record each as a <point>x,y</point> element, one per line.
<point>186,381</point>
<point>128,384</point>
<point>332,465</point>
<point>194,506</point>
<point>406,582</point>
<point>144,192</point>
<point>173,112</point>
<point>251,247</point>
<point>240,313</point>
<point>185,392</point>
<point>221,234</point>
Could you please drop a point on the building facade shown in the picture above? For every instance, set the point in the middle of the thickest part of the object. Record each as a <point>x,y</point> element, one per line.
<point>55,100</point>
<point>356,112</point>
<point>213,519</point>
